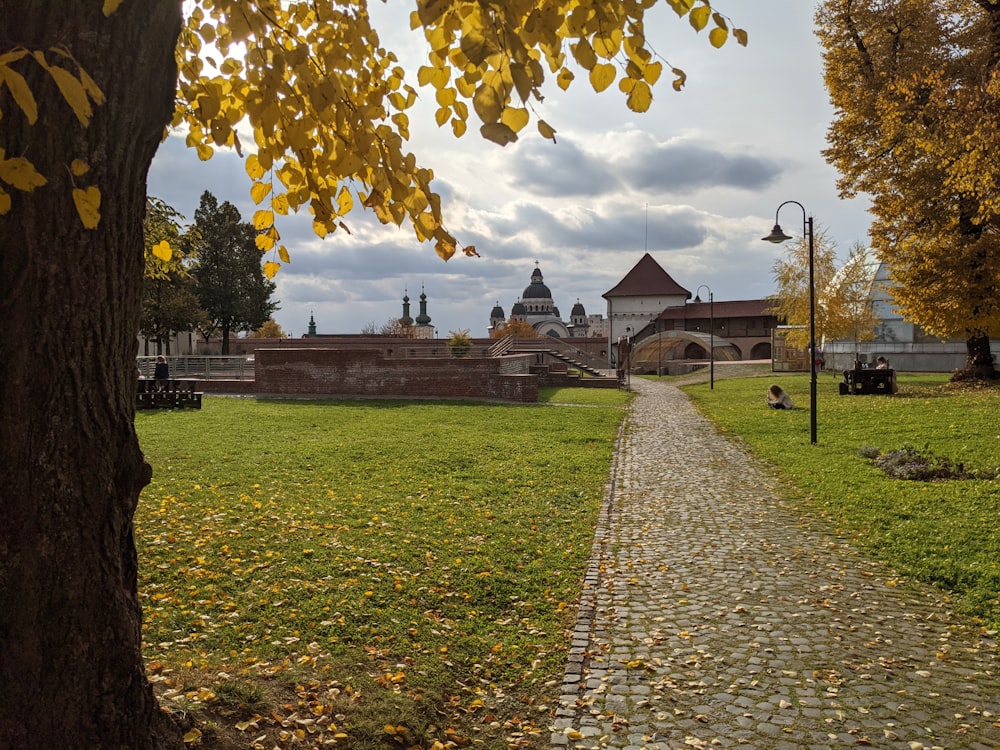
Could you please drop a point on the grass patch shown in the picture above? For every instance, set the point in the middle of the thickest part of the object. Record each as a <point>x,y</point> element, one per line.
<point>382,574</point>
<point>944,532</point>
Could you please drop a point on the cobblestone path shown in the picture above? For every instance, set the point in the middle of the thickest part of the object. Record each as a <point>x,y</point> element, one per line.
<point>714,616</point>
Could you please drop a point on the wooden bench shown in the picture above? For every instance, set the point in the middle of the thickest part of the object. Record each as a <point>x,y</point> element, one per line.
<point>167,394</point>
<point>859,382</point>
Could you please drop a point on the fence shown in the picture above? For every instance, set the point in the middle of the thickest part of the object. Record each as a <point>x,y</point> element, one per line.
<point>202,368</point>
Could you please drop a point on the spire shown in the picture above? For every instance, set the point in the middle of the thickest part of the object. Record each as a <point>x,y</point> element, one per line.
<point>406,320</point>
<point>423,319</point>
<point>312,325</point>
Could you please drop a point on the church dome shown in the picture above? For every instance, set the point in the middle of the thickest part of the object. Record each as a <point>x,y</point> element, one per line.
<point>578,311</point>
<point>518,309</point>
<point>497,312</point>
<point>536,289</point>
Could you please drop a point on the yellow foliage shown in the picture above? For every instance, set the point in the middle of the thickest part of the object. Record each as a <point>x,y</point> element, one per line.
<point>326,103</point>
<point>88,206</point>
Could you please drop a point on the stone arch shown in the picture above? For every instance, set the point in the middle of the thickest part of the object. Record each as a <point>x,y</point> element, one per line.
<point>681,345</point>
<point>761,350</point>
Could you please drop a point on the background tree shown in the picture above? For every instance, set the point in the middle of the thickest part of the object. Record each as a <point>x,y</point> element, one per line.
<point>847,299</point>
<point>791,280</point>
<point>916,87</point>
<point>395,327</point>
<point>229,281</point>
<point>516,327</point>
<point>88,89</point>
<point>270,330</point>
<point>169,302</point>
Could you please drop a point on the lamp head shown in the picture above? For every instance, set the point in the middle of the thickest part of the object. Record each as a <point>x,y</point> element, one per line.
<point>776,235</point>
<point>697,299</point>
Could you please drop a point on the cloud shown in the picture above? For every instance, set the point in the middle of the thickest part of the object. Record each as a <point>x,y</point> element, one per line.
<point>681,167</point>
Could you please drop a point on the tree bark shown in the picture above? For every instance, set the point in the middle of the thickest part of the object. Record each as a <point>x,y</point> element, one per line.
<point>979,364</point>
<point>71,668</point>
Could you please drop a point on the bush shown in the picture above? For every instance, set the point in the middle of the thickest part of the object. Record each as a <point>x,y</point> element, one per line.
<point>909,463</point>
<point>460,343</point>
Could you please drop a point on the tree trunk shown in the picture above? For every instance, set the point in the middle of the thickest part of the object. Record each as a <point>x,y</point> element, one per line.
<point>225,340</point>
<point>979,364</point>
<point>71,668</point>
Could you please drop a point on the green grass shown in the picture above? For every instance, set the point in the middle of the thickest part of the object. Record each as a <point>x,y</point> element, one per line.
<point>397,573</point>
<point>945,532</point>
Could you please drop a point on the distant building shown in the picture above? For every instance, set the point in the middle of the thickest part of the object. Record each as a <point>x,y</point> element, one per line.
<point>652,310</point>
<point>537,308</point>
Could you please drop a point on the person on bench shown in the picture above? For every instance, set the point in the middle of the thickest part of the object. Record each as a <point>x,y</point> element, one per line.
<point>161,373</point>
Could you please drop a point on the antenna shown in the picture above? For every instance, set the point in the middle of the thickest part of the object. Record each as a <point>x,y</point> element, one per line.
<point>645,241</point>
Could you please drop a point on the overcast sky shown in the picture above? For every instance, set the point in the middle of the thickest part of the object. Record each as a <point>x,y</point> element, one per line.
<point>695,182</point>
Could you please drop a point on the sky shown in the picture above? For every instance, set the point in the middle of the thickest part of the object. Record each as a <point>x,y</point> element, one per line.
<point>695,182</point>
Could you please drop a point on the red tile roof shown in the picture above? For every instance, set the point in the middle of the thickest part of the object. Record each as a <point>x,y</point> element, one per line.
<point>646,279</point>
<point>748,308</point>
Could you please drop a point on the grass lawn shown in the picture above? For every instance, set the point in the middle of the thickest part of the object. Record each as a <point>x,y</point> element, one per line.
<point>945,532</point>
<point>370,573</point>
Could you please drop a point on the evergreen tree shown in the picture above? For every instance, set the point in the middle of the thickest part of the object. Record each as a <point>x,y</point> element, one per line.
<point>229,282</point>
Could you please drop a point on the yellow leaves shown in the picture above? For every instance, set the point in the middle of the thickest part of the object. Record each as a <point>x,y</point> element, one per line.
<point>18,87</point>
<point>163,251</point>
<point>77,92</point>
<point>515,118</point>
<point>263,219</point>
<point>640,96</point>
<point>698,17</point>
<point>88,205</point>
<point>488,102</point>
<point>271,269</point>
<point>546,130</point>
<point>253,168</point>
<point>602,76</point>
<point>718,36</point>
<point>20,173</point>
<point>110,6</point>
<point>498,132</point>
<point>259,191</point>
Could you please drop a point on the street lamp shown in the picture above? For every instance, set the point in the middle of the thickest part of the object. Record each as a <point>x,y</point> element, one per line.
<point>711,333</point>
<point>776,236</point>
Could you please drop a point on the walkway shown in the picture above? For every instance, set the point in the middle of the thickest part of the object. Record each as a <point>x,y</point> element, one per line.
<point>714,616</point>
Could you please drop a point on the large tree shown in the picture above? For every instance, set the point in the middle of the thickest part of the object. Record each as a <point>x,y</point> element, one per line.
<point>169,302</point>
<point>916,87</point>
<point>87,90</point>
<point>229,282</point>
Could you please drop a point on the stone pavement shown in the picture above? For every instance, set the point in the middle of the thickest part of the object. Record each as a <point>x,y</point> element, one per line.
<point>715,616</point>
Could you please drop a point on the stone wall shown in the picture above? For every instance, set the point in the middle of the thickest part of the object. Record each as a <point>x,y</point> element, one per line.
<point>369,374</point>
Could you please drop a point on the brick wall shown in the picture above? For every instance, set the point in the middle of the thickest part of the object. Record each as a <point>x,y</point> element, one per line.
<point>332,372</point>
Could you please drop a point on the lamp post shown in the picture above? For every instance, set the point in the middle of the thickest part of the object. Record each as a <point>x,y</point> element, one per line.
<point>778,236</point>
<point>659,339</point>
<point>711,333</point>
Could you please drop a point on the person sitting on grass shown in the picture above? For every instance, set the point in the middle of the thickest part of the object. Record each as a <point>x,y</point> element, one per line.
<point>777,398</point>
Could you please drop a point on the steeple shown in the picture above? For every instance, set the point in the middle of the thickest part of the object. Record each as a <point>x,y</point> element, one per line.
<point>406,320</point>
<point>423,319</point>
<point>312,326</point>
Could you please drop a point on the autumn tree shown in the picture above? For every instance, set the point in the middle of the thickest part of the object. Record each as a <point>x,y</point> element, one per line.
<point>86,91</point>
<point>847,300</point>
<point>515,327</point>
<point>791,280</point>
<point>270,330</point>
<point>916,87</point>
<point>229,282</point>
<point>169,302</point>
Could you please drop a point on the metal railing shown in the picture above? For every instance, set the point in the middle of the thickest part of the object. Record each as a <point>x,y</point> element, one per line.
<point>202,367</point>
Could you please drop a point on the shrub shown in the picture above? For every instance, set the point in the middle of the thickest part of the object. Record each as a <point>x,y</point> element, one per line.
<point>910,463</point>
<point>460,343</point>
